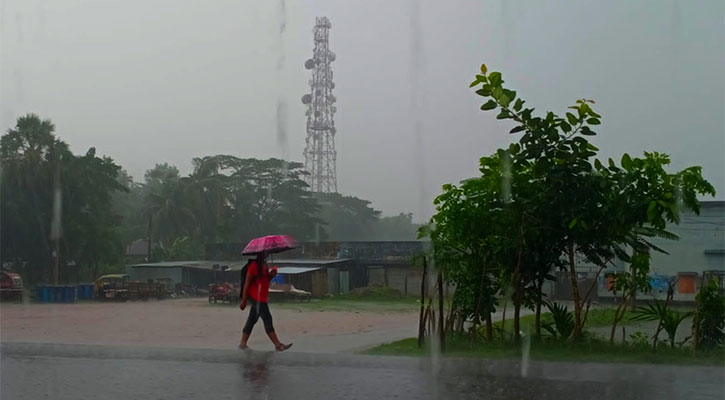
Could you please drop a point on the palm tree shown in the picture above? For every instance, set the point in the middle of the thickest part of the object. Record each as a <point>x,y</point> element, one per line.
<point>171,216</point>
<point>206,189</point>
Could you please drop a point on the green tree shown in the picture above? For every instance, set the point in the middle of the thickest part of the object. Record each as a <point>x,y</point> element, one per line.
<point>590,209</point>
<point>395,228</point>
<point>43,180</point>
<point>708,326</point>
<point>347,217</point>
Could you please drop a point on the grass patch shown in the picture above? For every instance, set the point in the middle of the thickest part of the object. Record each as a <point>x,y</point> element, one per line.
<point>403,305</point>
<point>590,350</point>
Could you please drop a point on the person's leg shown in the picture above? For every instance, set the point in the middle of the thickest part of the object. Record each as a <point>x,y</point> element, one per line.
<point>269,327</point>
<point>251,320</point>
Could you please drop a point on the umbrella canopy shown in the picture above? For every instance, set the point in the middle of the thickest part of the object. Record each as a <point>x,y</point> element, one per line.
<point>269,244</point>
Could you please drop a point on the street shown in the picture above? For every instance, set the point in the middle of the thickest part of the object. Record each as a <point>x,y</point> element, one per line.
<point>37,371</point>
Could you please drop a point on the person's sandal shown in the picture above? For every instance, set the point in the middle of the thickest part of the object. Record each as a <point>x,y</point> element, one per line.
<point>243,347</point>
<point>283,347</point>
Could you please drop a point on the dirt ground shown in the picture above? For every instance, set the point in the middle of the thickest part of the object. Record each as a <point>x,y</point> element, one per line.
<point>193,323</point>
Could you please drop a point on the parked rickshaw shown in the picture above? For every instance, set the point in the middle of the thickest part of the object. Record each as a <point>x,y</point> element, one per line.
<point>223,292</point>
<point>112,287</point>
<point>11,286</point>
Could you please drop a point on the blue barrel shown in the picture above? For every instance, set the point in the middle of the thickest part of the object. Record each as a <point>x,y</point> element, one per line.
<point>85,291</point>
<point>81,292</point>
<point>70,294</point>
<point>57,294</point>
<point>46,293</point>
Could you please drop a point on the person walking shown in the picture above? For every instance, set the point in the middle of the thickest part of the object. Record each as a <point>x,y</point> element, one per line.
<point>255,291</point>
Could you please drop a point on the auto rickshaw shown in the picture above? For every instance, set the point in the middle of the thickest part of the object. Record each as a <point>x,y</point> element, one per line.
<point>112,287</point>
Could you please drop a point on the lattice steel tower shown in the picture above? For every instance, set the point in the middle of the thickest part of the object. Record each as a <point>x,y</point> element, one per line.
<point>320,154</point>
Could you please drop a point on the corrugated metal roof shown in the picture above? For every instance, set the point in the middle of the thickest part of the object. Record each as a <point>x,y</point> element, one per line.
<point>237,266</point>
<point>206,265</point>
<point>311,261</point>
<point>296,270</point>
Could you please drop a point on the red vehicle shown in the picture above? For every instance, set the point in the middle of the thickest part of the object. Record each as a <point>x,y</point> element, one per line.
<point>222,292</point>
<point>11,286</point>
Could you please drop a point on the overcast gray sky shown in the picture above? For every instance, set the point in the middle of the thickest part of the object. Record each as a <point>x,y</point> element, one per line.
<point>148,81</point>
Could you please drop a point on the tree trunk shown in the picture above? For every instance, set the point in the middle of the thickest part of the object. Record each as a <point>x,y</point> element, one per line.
<point>575,294</point>
<point>633,294</point>
<point>538,307</point>
<point>517,322</point>
<point>421,322</point>
<point>503,316</point>
<point>489,326</point>
<point>477,314</point>
<point>618,315</point>
<point>517,305</point>
<point>441,315</point>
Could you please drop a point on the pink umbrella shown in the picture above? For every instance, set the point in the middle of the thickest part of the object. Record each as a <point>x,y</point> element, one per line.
<point>269,244</point>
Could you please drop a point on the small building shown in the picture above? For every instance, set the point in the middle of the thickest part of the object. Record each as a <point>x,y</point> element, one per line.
<point>137,251</point>
<point>351,265</point>
<point>199,274</point>
<point>321,277</point>
<point>317,276</point>
<point>310,279</point>
<point>697,257</point>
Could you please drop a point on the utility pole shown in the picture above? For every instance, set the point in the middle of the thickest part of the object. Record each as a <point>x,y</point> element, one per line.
<point>56,223</point>
<point>148,244</point>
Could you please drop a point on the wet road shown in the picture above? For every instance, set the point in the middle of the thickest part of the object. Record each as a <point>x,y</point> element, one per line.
<point>54,371</point>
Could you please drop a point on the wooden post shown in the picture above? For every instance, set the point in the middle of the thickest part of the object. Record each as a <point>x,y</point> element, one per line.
<point>421,322</point>
<point>441,313</point>
<point>57,222</point>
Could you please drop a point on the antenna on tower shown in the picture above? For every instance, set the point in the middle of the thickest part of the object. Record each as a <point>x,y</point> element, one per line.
<point>320,154</point>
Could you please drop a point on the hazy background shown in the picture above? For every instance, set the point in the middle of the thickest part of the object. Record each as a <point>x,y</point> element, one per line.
<point>149,81</point>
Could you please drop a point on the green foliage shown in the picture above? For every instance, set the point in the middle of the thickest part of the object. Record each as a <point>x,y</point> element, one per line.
<point>225,198</point>
<point>547,195</point>
<point>182,249</point>
<point>352,218</point>
<point>709,323</point>
<point>36,165</point>
<point>563,321</point>
<point>639,339</point>
<point>586,350</point>
<point>669,319</point>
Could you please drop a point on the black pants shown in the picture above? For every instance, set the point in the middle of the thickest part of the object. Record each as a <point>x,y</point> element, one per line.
<point>258,309</point>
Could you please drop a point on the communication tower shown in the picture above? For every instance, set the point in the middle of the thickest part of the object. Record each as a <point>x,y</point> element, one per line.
<point>320,154</point>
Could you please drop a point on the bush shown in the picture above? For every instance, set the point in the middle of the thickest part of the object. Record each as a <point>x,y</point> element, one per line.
<point>709,319</point>
<point>563,321</point>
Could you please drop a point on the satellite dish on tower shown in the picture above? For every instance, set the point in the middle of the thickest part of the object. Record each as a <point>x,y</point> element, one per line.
<point>332,56</point>
<point>307,99</point>
<point>309,64</point>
